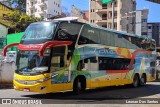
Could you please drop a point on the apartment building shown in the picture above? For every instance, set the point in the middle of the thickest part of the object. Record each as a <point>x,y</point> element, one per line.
<point>154,32</point>
<point>5,2</point>
<point>84,14</point>
<point>141,22</point>
<point>124,14</point>
<point>43,8</point>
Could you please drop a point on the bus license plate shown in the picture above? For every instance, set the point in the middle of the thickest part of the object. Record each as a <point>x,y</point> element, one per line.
<point>26,90</point>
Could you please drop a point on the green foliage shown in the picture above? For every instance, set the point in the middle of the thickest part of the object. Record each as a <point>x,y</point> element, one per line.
<point>20,20</point>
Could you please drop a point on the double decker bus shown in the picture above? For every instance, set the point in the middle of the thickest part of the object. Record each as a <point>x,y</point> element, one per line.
<point>66,55</point>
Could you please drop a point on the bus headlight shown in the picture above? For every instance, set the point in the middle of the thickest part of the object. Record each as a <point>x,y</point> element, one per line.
<point>43,79</point>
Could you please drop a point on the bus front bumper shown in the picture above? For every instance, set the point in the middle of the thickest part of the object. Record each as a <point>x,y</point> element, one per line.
<point>42,87</point>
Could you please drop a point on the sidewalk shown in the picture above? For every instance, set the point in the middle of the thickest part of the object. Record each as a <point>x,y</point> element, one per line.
<point>6,86</point>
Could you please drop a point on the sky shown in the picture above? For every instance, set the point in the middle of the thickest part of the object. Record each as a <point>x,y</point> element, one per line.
<point>154,9</point>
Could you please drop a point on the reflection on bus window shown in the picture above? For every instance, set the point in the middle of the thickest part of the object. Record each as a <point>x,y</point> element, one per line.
<point>40,31</point>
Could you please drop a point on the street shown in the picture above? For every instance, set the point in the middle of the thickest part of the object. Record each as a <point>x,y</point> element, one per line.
<point>102,95</point>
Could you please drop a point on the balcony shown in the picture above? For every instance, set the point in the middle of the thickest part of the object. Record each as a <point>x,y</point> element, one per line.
<point>42,12</point>
<point>101,21</point>
<point>31,7</point>
<point>101,10</point>
<point>42,3</point>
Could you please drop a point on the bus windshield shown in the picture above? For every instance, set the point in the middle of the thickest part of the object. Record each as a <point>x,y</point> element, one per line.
<point>28,62</point>
<point>43,30</point>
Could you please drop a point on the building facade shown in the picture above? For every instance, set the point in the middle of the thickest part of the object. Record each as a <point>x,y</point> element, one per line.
<point>43,8</point>
<point>141,22</point>
<point>4,24</point>
<point>124,14</point>
<point>154,32</point>
<point>5,3</point>
<point>84,14</point>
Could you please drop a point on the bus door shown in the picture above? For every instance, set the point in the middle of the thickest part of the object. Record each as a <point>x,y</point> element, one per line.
<point>59,67</point>
<point>92,65</point>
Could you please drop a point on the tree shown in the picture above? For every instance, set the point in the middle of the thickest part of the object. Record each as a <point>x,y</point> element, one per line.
<point>20,20</point>
<point>18,4</point>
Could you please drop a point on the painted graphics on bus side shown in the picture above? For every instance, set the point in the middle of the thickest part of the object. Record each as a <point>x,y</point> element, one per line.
<point>133,61</point>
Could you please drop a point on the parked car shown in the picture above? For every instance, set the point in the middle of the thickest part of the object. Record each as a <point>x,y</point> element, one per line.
<point>10,57</point>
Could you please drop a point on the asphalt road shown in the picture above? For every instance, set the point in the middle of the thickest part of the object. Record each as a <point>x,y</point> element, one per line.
<point>93,96</point>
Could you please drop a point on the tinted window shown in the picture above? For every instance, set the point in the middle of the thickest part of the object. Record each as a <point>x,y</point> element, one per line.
<point>43,30</point>
<point>70,31</point>
<point>113,63</point>
<point>132,42</point>
<point>120,40</point>
<point>107,38</point>
<point>89,35</point>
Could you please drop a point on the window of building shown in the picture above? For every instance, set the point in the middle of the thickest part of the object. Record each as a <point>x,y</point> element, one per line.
<point>144,20</point>
<point>32,3</point>
<point>104,16</point>
<point>104,6</point>
<point>144,33</point>
<point>110,14</point>
<point>115,14</point>
<point>109,25</point>
<point>115,25</point>
<point>31,11</point>
<point>104,26</point>
<point>115,3</point>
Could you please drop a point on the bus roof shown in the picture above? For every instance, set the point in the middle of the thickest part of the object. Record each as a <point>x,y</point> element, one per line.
<point>121,32</point>
<point>98,27</point>
<point>58,21</point>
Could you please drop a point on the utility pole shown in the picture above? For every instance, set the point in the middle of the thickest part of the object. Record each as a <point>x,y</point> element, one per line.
<point>113,14</point>
<point>89,11</point>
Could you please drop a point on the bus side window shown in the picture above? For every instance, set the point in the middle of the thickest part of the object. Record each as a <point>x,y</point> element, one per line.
<point>89,35</point>
<point>107,38</point>
<point>68,31</point>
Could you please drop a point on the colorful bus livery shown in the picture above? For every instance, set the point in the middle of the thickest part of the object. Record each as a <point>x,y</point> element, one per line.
<point>67,55</point>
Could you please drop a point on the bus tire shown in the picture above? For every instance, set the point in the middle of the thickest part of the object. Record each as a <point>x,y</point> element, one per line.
<point>79,86</point>
<point>135,81</point>
<point>143,80</point>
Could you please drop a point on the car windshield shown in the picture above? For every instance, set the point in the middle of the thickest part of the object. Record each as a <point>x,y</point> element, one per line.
<point>43,30</point>
<point>28,62</point>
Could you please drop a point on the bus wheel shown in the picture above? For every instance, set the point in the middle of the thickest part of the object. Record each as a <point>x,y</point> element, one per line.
<point>78,86</point>
<point>135,81</point>
<point>143,80</point>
